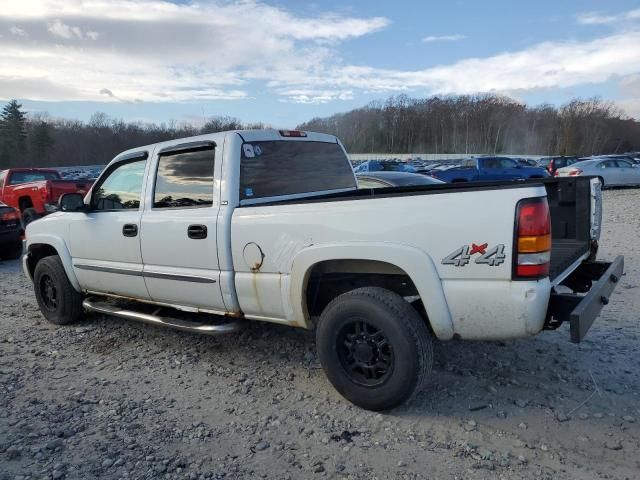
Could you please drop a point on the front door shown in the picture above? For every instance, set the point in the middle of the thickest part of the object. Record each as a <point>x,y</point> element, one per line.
<point>498,168</point>
<point>179,245</point>
<point>105,241</point>
<point>626,172</point>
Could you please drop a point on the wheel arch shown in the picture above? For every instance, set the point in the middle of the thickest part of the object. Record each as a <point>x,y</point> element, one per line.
<point>25,202</point>
<point>373,258</point>
<point>41,246</point>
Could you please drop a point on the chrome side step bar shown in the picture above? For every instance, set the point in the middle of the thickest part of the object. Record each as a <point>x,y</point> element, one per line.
<point>98,306</point>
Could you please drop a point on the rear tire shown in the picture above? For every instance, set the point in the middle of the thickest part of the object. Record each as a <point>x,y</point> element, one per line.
<point>59,302</point>
<point>374,347</point>
<point>28,216</point>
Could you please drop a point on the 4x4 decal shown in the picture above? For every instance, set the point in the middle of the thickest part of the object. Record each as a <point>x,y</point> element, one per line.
<point>488,256</point>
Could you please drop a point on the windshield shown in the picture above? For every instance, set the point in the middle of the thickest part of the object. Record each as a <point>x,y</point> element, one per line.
<point>275,168</point>
<point>24,177</point>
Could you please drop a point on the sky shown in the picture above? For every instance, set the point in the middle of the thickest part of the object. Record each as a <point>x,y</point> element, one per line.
<point>285,62</point>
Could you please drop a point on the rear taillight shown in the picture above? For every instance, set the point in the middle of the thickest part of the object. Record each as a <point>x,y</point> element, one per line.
<point>575,172</point>
<point>10,216</point>
<point>45,193</point>
<point>532,240</point>
<point>550,166</point>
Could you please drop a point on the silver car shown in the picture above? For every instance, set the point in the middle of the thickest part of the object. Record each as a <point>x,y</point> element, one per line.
<point>612,172</point>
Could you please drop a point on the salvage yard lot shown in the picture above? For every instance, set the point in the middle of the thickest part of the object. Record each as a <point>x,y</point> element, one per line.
<point>111,399</point>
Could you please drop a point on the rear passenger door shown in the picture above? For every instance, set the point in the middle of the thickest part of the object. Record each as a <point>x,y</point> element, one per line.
<point>178,235</point>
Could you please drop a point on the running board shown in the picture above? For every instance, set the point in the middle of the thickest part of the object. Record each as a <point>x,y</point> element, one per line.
<point>98,306</point>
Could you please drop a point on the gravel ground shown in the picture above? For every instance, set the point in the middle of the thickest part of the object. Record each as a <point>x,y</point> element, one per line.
<point>111,399</point>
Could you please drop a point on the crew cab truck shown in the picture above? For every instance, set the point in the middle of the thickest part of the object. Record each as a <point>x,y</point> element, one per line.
<point>488,169</point>
<point>203,233</point>
<point>34,192</point>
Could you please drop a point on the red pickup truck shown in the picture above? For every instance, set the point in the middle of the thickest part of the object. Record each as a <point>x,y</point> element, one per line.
<point>34,192</point>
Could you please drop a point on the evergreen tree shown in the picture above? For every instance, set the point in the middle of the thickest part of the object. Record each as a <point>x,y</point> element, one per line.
<point>12,133</point>
<point>41,142</point>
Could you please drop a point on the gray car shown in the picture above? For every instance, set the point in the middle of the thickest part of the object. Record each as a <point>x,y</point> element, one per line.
<point>612,172</point>
<point>394,179</point>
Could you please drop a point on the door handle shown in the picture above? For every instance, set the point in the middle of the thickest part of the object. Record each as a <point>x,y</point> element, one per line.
<point>197,232</point>
<point>130,230</point>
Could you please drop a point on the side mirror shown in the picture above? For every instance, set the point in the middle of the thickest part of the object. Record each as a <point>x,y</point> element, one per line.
<point>71,202</point>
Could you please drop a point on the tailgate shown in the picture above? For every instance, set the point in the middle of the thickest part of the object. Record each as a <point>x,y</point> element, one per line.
<point>592,284</point>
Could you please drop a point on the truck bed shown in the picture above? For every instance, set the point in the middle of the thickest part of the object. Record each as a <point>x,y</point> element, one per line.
<point>569,203</point>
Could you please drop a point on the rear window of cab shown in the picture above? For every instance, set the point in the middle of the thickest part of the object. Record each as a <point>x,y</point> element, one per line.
<point>276,168</point>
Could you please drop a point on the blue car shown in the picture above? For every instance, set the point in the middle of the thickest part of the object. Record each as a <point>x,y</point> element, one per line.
<point>488,169</point>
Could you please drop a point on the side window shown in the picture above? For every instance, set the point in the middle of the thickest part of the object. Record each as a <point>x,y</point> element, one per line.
<point>491,163</point>
<point>121,189</point>
<point>508,163</point>
<point>2,175</point>
<point>623,164</point>
<point>609,164</point>
<point>468,163</point>
<point>184,180</point>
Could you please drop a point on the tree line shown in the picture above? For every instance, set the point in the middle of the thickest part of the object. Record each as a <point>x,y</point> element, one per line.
<point>39,141</point>
<point>472,124</point>
<point>468,124</point>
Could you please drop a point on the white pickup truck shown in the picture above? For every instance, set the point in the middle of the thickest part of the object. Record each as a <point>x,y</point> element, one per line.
<point>202,233</point>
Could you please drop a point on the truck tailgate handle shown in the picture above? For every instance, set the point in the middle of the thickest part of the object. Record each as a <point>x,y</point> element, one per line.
<point>130,230</point>
<point>197,232</point>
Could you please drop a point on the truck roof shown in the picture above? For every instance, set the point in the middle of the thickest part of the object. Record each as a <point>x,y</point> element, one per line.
<point>247,136</point>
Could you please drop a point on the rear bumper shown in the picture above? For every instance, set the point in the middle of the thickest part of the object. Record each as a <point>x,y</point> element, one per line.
<point>594,282</point>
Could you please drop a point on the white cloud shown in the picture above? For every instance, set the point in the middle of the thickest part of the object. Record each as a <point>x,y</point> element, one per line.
<point>597,18</point>
<point>156,50</point>
<point>62,30</point>
<point>18,32</point>
<point>443,38</point>
<point>159,51</point>
<point>315,96</point>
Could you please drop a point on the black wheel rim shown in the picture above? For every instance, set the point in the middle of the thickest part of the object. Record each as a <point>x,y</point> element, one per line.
<point>48,292</point>
<point>365,353</point>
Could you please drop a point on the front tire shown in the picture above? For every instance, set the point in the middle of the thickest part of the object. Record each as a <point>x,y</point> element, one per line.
<point>59,302</point>
<point>374,347</point>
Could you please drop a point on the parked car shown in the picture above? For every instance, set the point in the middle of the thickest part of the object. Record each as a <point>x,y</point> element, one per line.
<point>554,163</point>
<point>488,169</point>
<point>272,227</point>
<point>527,162</point>
<point>384,166</point>
<point>394,179</point>
<point>611,172</point>
<point>10,233</point>
<point>34,192</point>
